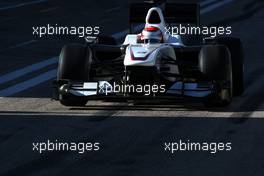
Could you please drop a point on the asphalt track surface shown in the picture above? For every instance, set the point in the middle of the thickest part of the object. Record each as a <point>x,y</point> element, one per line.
<point>131,136</point>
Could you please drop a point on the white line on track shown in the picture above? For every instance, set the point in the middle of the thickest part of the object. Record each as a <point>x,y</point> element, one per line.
<point>124,113</point>
<point>28,84</point>
<point>52,74</point>
<point>21,5</point>
<point>28,69</point>
<point>19,45</point>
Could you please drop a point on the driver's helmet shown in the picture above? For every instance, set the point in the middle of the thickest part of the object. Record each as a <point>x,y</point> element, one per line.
<point>151,34</point>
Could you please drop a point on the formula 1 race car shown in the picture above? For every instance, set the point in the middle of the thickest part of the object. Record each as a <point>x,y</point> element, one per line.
<point>152,63</point>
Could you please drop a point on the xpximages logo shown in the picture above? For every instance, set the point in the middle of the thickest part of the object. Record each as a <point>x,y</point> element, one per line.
<point>106,88</point>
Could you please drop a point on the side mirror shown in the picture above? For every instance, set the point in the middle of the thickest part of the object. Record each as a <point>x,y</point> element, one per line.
<point>123,49</point>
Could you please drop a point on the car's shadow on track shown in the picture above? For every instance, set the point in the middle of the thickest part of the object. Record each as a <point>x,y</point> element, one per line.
<point>237,113</point>
<point>153,106</point>
<point>144,105</point>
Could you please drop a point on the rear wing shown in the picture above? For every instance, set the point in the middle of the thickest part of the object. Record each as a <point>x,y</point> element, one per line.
<point>181,13</point>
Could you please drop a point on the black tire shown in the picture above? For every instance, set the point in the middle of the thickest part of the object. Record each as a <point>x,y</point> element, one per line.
<point>237,57</point>
<point>73,66</point>
<point>215,64</point>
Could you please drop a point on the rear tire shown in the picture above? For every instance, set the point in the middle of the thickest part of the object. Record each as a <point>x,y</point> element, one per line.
<point>73,66</point>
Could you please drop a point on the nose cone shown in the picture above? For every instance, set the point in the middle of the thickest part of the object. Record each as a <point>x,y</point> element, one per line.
<point>140,53</point>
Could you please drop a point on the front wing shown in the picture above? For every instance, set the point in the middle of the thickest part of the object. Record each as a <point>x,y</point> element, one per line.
<point>104,89</point>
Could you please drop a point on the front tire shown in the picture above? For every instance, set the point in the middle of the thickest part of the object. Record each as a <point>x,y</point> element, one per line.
<point>74,66</point>
<point>237,57</point>
<point>215,64</point>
